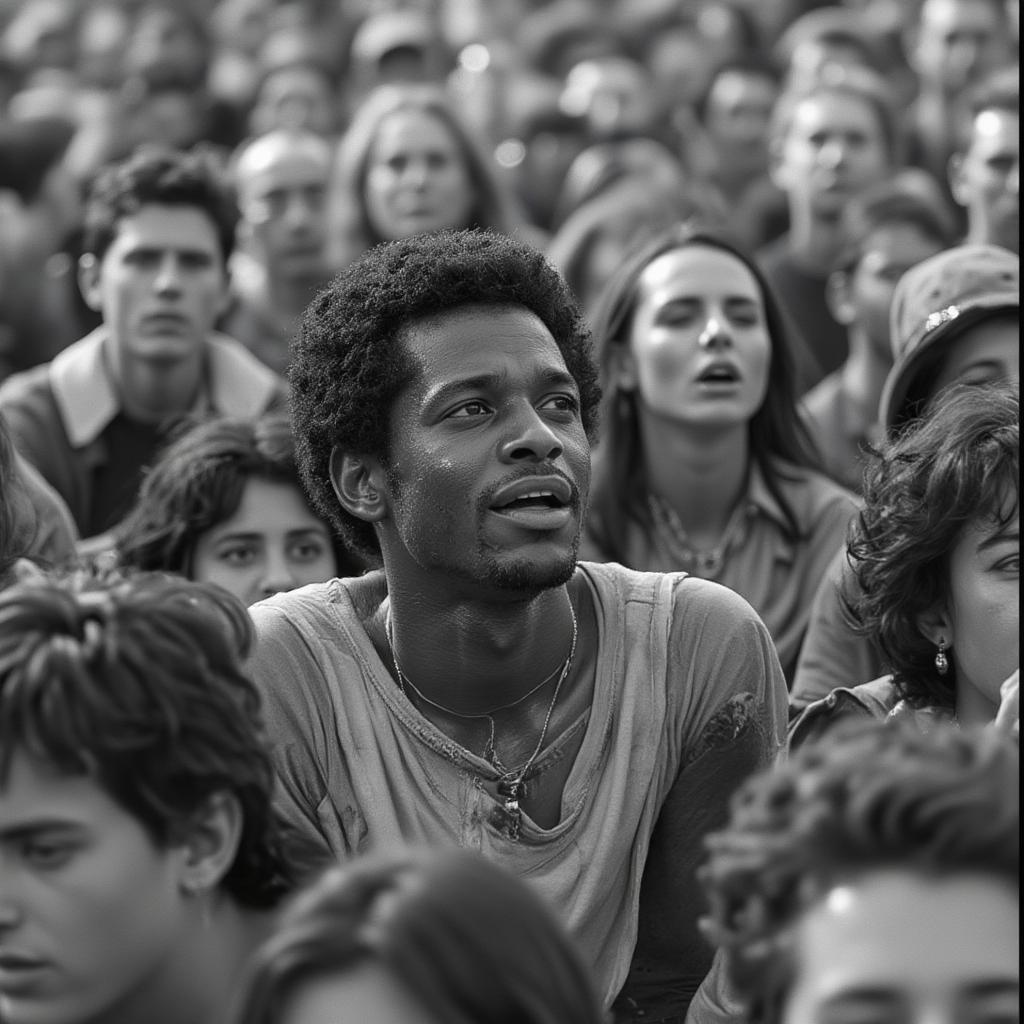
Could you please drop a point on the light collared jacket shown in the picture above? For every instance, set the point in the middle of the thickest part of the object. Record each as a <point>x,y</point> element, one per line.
<point>57,412</point>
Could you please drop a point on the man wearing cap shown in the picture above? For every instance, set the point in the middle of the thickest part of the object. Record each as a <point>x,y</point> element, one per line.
<point>955,319</point>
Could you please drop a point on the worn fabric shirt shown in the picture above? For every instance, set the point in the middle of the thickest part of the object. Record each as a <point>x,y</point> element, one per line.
<point>362,770</point>
<point>777,575</point>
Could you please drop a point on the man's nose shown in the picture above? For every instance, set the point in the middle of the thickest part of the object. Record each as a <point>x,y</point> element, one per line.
<point>168,278</point>
<point>532,439</point>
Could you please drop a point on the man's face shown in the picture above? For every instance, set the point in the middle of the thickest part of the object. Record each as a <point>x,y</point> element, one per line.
<point>160,285</point>
<point>738,113</point>
<point>283,202</point>
<point>834,148</point>
<point>888,253</point>
<point>986,179</point>
<point>898,946</point>
<point>958,42</point>
<point>489,466</point>
<point>89,906</point>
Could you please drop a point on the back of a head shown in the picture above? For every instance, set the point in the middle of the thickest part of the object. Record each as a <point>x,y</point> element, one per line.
<point>462,938</point>
<point>137,683</point>
<point>871,797</point>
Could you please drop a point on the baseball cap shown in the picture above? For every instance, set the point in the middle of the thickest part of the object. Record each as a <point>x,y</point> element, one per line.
<point>933,304</point>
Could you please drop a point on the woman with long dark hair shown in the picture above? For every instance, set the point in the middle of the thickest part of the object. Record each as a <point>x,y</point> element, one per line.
<point>704,465</point>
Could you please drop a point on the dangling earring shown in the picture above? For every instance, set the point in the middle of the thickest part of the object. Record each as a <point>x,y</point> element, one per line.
<point>941,661</point>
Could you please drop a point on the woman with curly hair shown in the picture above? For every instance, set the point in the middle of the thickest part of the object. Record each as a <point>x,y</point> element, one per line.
<point>935,553</point>
<point>223,504</point>
<point>424,936</point>
<point>704,464</point>
<point>408,165</point>
<point>875,876</point>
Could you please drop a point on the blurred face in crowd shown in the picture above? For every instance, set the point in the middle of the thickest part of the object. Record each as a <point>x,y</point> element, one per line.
<point>986,179</point>
<point>833,148</point>
<point>699,348</point>
<point>367,993</point>
<point>160,285</point>
<point>271,544</point>
<point>895,946</point>
<point>282,186</point>
<point>417,179</point>
<point>887,254</point>
<point>739,109</point>
<point>295,97</point>
<point>614,94</point>
<point>89,905</point>
<point>958,41</point>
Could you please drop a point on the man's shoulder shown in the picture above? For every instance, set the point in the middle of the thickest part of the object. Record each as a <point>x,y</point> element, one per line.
<point>28,388</point>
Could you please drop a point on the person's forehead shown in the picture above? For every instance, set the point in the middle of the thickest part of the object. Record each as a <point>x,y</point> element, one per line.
<point>178,225</point>
<point>831,105</point>
<point>943,15</point>
<point>995,126</point>
<point>473,335</point>
<point>284,171</point>
<point>735,86</point>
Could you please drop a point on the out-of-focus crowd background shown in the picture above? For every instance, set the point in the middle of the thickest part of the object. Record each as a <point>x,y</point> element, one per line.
<point>599,121</point>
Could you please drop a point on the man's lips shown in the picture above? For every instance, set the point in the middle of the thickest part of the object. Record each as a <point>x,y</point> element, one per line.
<point>165,321</point>
<point>550,491</point>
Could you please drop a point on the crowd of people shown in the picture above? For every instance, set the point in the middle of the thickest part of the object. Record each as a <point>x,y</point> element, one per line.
<point>509,512</point>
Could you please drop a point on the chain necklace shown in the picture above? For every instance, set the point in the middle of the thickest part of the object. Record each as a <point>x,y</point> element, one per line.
<point>706,563</point>
<point>511,782</point>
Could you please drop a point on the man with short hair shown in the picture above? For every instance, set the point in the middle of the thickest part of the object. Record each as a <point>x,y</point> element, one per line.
<point>984,174</point>
<point>281,179</point>
<point>159,228</point>
<point>830,141</point>
<point>140,859</point>
<point>581,724</point>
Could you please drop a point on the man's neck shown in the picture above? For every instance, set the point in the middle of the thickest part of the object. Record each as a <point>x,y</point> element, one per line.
<point>864,374</point>
<point>701,475</point>
<point>198,980</point>
<point>288,297</point>
<point>813,241</point>
<point>467,650</point>
<point>150,391</point>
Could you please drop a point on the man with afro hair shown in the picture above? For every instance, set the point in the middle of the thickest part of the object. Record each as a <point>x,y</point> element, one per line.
<point>581,724</point>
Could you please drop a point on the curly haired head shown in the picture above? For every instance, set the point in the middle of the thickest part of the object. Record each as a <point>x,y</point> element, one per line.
<point>137,682</point>
<point>871,796</point>
<point>199,481</point>
<point>466,940</point>
<point>349,362</point>
<point>956,467</point>
<point>163,177</point>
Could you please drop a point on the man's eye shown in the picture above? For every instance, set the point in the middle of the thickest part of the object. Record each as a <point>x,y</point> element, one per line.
<point>470,409</point>
<point>563,403</point>
<point>47,855</point>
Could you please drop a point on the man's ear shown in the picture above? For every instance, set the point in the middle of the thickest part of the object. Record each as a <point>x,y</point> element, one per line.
<point>89,281</point>
<point>359,482</point>
<point>210,843</point>
<point>935,626</point>
<point>777,171</point>
<point>838,297</point>
<point>955,175</point>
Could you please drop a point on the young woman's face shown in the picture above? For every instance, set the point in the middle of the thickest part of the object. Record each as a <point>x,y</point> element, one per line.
<point>983,610</point>
<point>272,543</point>
<point>698,346</point>
<point>417,180</point>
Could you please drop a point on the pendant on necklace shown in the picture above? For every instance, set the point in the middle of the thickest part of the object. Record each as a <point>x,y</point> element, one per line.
<point>510,790</point>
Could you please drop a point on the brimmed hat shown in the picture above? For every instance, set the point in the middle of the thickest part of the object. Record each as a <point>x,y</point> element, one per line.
<point>934,303</point>
<point>384,31</point>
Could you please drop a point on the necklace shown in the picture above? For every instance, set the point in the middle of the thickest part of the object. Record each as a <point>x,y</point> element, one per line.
<point>511,782</point>
<point>706,563</point>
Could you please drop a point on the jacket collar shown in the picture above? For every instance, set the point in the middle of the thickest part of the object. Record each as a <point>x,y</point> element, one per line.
<point>235,384</point>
